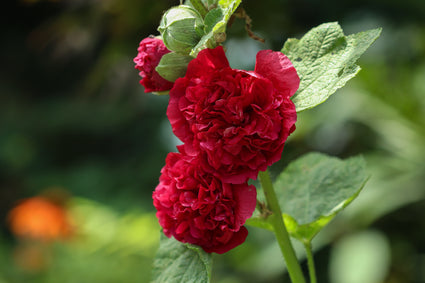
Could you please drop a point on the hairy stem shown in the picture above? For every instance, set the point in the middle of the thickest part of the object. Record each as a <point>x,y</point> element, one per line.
<point>280,231</point>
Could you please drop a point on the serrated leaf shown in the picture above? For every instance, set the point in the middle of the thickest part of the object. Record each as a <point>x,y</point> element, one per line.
<point>325,60</point>
<point>314,188</point>
<point>176,262</point>
<point>215,25</point>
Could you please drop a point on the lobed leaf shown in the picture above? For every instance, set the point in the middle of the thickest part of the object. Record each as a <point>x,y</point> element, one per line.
<point>176,262</point>
<point>325,60</point>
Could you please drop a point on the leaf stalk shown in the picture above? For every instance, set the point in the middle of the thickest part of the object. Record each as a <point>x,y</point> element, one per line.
<point>310,261</point>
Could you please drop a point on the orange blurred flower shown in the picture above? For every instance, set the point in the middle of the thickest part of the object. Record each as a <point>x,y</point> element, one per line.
<point>41,219</point>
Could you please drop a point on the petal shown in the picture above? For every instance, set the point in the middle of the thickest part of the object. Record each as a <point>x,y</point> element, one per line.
<point>289,113</point>
<point>278,68</point>
<point>237,176</point>
<point>178,123</point>
<point>246,199</point>
<point>236,239</point>
<point>207,61</point>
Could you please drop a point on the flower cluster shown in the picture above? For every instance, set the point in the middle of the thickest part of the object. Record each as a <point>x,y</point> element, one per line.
<point>233,124</point>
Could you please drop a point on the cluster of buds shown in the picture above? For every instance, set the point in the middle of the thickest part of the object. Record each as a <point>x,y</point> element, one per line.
<point>184,31</point>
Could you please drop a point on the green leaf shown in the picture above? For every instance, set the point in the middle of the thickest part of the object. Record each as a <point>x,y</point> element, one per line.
<point>215,23</point>
<point>176,262</point>
<point>173,66</point>
<point>314,188</point>
<point>306,232</point>
<point>325,60</point>
<point>199,6</point>
<point>211,3</point>
<point>259,222</point>
<point>207,3</point>
<point>212,19</point>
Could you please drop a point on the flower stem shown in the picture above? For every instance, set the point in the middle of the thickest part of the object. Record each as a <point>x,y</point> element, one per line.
<point>280,231</point>
<point>310,262</point>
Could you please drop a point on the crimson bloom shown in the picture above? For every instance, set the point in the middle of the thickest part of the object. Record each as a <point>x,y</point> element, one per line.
<point>150,52</point>
<point>236,121</point>
<point>198,208</point>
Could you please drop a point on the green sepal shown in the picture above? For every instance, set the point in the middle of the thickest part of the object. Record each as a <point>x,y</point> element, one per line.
<point>173,66</point>
<point>181,28</point>
<point>215,23</point>
<point>199,6</point>
<point>165,92</point>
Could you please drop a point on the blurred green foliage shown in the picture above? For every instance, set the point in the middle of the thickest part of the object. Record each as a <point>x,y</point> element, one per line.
<point>72,115</point>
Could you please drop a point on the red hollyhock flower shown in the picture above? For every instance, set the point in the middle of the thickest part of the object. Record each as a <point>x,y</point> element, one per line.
<point>150,52</point>
<point>236,121</point>
<point>198,208</point>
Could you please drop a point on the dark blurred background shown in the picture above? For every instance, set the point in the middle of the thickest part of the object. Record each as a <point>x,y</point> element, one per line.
<point>76,128</point>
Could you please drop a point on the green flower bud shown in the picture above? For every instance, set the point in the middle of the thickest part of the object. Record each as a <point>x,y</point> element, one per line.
<point>181,28</point>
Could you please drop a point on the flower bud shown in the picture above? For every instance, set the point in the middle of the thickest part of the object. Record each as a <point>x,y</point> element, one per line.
<point>150,52</point>
<point>181,28</point>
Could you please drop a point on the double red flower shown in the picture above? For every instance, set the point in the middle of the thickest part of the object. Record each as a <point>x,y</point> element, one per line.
<point>233,123</point>
<point>199,208</point>
<point>236,121</point>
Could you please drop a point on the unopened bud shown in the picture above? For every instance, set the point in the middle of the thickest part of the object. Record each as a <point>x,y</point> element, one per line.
<point>181,28</point>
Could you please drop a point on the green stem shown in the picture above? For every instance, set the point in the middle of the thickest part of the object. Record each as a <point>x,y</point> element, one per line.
<point>280,231</point>
<point>310,262</point>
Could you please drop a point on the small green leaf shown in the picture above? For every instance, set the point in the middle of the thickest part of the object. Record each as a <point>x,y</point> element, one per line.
<point>314,188</point>
<point>173,66</point>
<point>259,222</point>
<point>176,262</point>
<point>211,3</point>
<point>212,18</point>
<point>215,25</point>
<point>207,3</point>
<point>325,60</point>
<point>199,6</point>
<point>306,232</point>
